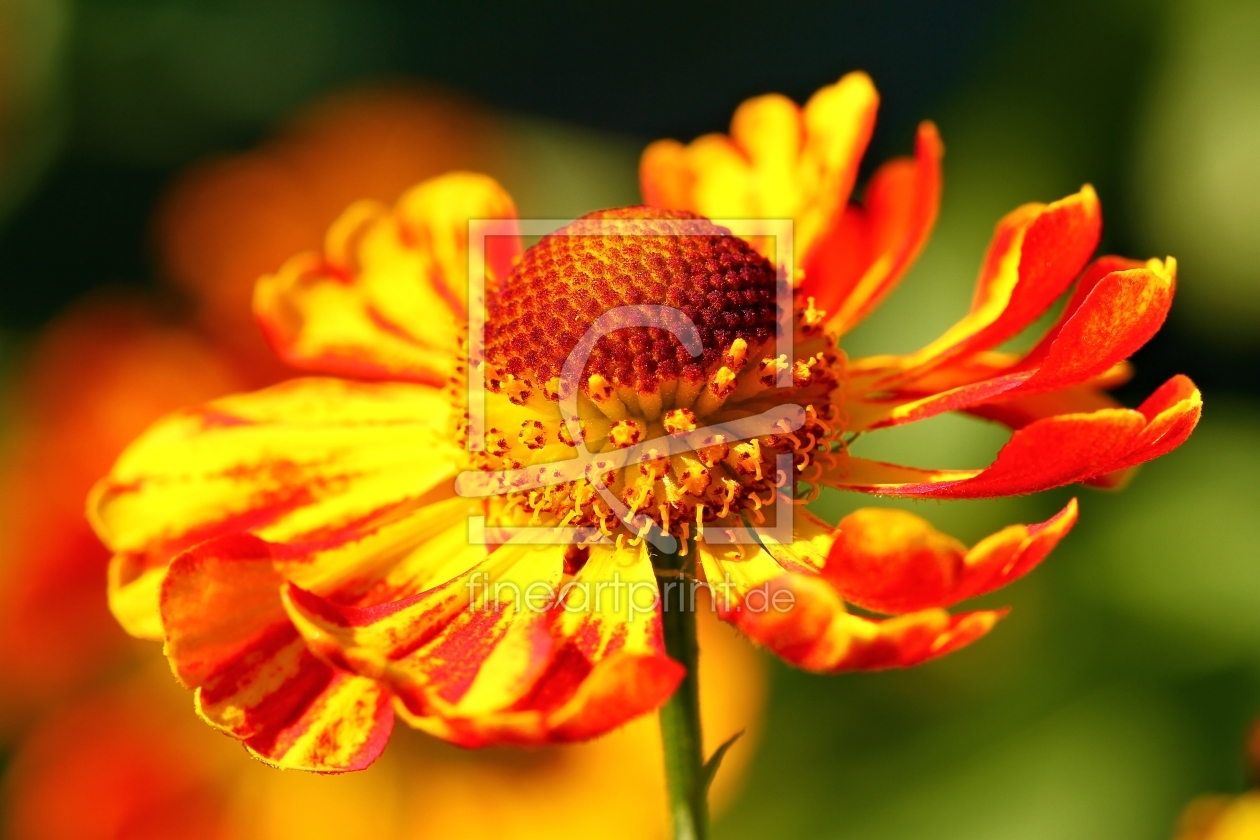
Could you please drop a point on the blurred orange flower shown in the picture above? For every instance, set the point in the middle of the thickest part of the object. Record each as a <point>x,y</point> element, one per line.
<point>228,221</point>
<point>306,557</point>
<point>1227,817</point>
<point>94,380</point>
<point>1221,818</point>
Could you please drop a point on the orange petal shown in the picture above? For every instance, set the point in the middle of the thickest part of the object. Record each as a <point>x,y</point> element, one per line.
<point>338,467</point>
<point>228,637</point>
<point>780,161</point>
<point>1036,252</point>
<point>388,298</point>
<point>859,260</point>
<point>892,561</point>
<point>1047,453</point>
<point>802,619</point>
<point>1106,323</point>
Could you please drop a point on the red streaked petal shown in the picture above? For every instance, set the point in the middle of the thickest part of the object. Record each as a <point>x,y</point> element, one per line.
<point>894,562</point>
<point>619,687</point>
<point>334,466</point>
<point>859,261</point>
<point>1046,453</point>
<point>344,729</point>
<point>1172,413</point>
<point>477,670</point>
<point>388,297</point>
<point>228,637</point>
<point>1055,246</point>
<point>433,645</point>
<point>576,702</point>
<point>1013,552</point>
<point>1093,274</point>
<point>610,664</point>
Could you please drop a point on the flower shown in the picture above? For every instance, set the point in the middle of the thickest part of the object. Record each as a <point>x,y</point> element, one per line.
<point>94,380</point>
<point>228,220</point>
<point>1227,817</point>
<point>113,752</point>
<point>1221,818</point>
<point>306,557</point>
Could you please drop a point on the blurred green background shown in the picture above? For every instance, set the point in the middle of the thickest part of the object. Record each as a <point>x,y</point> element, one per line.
<point>1124,680</point>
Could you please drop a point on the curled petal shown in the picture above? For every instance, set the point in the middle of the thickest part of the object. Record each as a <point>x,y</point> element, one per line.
<point>336,469</point>
<point>1047,453</point>
<point>1036,252</point>
<point>387,298</point>
<point>1094,317</point>
<point>1171,414</point>
<point>780,161</point>
<point>859,260</point>
<point>892,561</point>
<point>228,637</point>
<point>801,617</point>
<point>1114,316</point>
<point>504,653</point>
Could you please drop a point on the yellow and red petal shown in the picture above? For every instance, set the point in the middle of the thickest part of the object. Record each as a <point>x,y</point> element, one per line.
<point>801,617</point>
<point>411,643</point>
<point>229,638</point>
<point>388,298</point>
<point>860,259</point>
<point>780,161</point>
<point>507,654</point>
<point>894,562</point>
<point>338,469</point>
<point>610,664</point>
<point>1047,453</point>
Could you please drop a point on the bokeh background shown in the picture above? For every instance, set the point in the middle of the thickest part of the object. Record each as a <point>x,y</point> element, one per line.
<point>157,155</point>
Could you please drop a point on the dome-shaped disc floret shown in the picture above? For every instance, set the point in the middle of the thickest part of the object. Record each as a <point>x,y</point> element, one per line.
<point>640,384</point>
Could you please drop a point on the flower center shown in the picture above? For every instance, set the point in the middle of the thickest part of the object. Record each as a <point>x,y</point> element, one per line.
<point>641,386</point>
<point>629,257</point>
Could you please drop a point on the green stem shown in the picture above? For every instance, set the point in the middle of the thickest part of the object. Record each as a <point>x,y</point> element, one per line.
<point>680,716</point>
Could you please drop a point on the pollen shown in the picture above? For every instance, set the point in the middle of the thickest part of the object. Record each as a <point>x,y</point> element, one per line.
<point>625,433</point>
<point>680,421</point>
